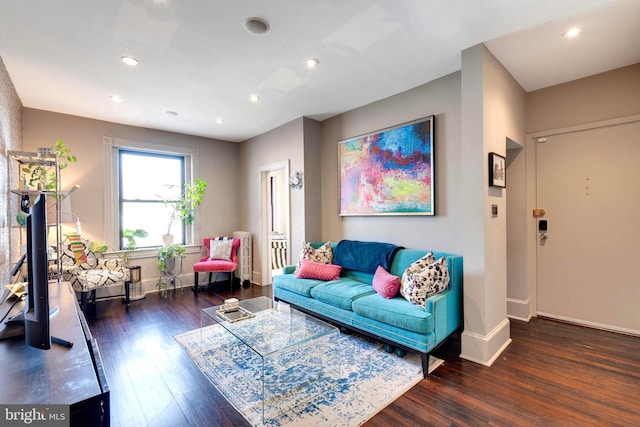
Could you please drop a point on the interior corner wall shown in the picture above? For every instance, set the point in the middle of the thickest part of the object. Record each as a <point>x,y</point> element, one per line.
<point>10,139</point>
<point>441,232</point>
<point>284,143</point>
<point>493,109</point>
<point>312,180</point>
<point>85,138</point>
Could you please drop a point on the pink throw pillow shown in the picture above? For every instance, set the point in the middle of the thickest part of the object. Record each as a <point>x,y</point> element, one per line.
<point>385,283</point>
<point>315,270</point>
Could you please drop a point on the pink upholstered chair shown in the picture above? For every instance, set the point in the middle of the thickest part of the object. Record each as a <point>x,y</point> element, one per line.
<point>208,265</point>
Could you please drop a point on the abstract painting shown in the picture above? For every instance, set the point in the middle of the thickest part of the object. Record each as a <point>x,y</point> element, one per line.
<point>388,172</point>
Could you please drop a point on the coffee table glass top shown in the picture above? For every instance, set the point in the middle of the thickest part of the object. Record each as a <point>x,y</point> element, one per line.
<point>271,326</point>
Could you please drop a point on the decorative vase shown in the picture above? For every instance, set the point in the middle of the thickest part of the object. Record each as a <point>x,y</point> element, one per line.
<point>167,239</point>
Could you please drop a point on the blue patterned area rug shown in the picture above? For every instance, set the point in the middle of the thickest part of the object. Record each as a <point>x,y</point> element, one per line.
<point>341,381</point>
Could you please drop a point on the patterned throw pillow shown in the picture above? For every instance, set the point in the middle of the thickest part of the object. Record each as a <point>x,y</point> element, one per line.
<point>322,255</point>
<point>317,270</point>
<point>385,283</point>
<point>417,286</point>
<point>220,248</point>
<point>421,264</point>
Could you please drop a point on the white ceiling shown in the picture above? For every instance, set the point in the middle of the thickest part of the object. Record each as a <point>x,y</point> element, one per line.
<point>197,59</point>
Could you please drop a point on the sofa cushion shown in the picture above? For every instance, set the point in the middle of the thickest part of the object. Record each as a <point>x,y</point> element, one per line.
<point>396,312</point>
<point>417,286</point>
<point>341,293</point>
<point>386,284</point>
<point>298,286</point>
<point>316,270</point>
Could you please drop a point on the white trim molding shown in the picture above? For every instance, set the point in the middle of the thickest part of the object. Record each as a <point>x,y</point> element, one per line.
<point>519,309</point>
<point>486,349</point>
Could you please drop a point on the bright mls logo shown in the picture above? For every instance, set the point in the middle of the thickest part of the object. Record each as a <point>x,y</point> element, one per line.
<point>34,415</point>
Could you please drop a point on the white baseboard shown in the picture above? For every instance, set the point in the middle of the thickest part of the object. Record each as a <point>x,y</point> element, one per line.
<point>595,325</point>
<point>519,309</point>
<point>486,349</point>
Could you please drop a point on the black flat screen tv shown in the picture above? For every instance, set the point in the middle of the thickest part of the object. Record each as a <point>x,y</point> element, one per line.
<point>36,307</point>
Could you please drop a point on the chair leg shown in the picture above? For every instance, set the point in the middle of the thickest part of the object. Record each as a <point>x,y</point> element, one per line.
<point>83,302</point>
<point>195,282</point>
<point>231,280</point>
<point>127,292</point>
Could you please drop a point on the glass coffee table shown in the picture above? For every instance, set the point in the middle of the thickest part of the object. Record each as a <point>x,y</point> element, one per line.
<point>289,348</point>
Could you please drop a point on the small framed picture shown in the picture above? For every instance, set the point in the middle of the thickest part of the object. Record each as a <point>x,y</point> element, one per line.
<point>497,171</point>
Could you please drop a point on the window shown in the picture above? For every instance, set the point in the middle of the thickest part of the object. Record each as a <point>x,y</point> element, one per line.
<point>145,181</point>
<point>139,176</point>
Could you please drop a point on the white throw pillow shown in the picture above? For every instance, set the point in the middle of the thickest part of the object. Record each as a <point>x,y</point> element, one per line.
<point>417,286</point>
<point>220,248</point>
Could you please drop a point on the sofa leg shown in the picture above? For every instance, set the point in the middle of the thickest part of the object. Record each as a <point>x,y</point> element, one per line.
<point>425,364</point>
<point>195,282</point>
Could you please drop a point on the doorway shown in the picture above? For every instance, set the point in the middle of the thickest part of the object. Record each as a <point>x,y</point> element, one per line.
<point>275,218</point>
<point>588,182</point>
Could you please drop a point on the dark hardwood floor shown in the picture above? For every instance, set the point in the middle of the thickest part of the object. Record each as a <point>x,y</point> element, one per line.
<point>552,374</point>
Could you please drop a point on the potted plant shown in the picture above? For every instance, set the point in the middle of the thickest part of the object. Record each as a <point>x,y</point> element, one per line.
<point>167,260</point>
<point>130,236</point>
<point>183,209</point>
<point>43,177</point>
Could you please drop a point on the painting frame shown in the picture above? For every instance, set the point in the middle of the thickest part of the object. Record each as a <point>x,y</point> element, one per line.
<point>390,171</point>
<point>497,171</point>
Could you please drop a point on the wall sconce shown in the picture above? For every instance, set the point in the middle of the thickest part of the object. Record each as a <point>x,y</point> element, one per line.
<point>295,180</point>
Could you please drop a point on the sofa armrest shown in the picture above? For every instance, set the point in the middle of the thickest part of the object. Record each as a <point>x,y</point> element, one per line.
<point>447,313</point>
<point>288,269</point>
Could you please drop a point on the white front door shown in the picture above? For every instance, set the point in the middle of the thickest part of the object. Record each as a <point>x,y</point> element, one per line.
<point>588,182</point>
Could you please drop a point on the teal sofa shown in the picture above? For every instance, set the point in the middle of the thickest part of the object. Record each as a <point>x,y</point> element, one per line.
<point>351,302</point>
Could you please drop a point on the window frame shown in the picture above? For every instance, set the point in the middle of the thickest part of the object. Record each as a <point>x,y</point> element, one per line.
<point>112,147</point>
<point>121,200</point>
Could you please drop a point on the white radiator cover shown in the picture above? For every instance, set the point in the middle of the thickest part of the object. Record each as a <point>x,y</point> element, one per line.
<point>244,256</point>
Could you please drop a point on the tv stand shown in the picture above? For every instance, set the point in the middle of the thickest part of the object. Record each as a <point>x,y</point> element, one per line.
<point>67,374</point>
<point>14,327</point>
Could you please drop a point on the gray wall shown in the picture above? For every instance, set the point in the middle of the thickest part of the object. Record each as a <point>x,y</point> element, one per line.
<point>10,139</point>
<point>441,98</point>
<point>573,105</point>
<point>216,163</point>
<point>283,145</point>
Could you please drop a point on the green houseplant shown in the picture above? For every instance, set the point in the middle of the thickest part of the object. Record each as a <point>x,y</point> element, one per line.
<point>183,209</point>
<point>167,260</point>
<point>130,236</point>
<point>43,177</point>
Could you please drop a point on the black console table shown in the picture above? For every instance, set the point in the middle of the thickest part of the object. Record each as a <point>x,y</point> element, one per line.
<point>68,376</point>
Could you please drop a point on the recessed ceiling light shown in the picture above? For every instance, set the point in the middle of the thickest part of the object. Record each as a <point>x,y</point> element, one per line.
<point>254,98</point>
<point>116,98</point>
<point>312,63</point>
<point>171,113</point>
<point>129,60</point>
<point>572,32</point>
<point>256,25</point>
<point>219,120</point>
